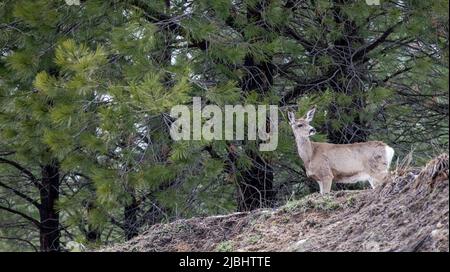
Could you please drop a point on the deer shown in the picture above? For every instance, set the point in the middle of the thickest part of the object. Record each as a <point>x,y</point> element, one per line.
<point>341,163</point>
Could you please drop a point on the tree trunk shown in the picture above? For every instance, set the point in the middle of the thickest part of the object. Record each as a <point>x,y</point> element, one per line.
<point>92,233</point>
<point>351,132</point>
<point>349,81</point>
<point>130,219</point>
<point>255,185</point>
<point>49,194</point>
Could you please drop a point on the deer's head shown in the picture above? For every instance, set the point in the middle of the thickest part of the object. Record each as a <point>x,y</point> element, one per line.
<point>301,126</point>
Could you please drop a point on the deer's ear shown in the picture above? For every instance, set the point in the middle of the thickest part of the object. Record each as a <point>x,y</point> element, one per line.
<point>291,117</point>
<point>310,114</point>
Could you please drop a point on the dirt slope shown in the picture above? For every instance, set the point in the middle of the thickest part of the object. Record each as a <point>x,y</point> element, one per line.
<point>409,213</point>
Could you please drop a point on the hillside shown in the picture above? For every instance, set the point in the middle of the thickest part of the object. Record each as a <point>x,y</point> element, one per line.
<point>408,213</point>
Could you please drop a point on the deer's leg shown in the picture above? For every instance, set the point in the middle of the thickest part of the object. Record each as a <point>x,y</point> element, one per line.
<point>376,180</point>
<point>326,183</point>
<point>373,182</point>
<point>320,187</point>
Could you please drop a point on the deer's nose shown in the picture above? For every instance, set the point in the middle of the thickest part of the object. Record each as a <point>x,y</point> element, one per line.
<point>312,130</point>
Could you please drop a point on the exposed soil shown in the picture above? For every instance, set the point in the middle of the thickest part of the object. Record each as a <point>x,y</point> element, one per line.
<point>410,212</point>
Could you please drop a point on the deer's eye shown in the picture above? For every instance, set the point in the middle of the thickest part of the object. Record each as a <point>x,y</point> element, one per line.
<point>299,125</point>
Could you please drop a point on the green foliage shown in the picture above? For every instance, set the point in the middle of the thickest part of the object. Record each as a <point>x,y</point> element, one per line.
<point>226,94</point>
<point>23,63</point>
<point>39,14</point>
<point>134,38</point>
<point>379,95</point>
<point>71,57</point>
<point>325,203</point>
<point>225,246</point>
<point>156,175</point>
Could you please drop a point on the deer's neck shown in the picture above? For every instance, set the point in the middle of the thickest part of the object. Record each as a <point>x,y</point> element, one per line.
<point>305,150</point>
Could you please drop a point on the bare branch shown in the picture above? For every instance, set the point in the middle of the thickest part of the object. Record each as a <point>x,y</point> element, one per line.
<point>23,170</point>
<point>20,194</point>
<point>29,218</point>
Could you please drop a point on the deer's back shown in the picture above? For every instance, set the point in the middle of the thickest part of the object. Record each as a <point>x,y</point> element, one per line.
<point>351,158</point>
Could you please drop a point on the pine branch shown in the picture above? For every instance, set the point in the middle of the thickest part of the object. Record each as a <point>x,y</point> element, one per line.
<point>20,240</point>
<point>306,44</point>
<point>23,170</point>
<point>156,17</point>
<point>29,218</point>
<point>300,89</point>
<point>362,51</point>
<point>399,72</point>
<point>21,195</point>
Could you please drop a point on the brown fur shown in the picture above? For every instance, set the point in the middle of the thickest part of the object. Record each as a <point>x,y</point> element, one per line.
<point>343,163</point>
